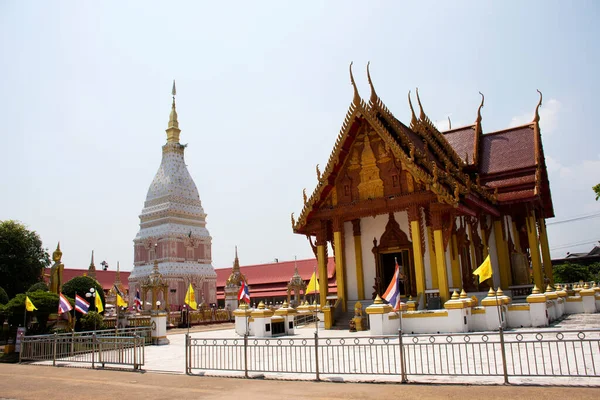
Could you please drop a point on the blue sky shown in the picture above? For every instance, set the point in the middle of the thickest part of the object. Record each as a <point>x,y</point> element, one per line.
<point>262,92</point>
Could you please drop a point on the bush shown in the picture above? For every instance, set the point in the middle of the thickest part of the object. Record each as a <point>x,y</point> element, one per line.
<point>3,296</point>
<point>46,304</point>
<point>566,273</point>
<point>92,320</point>
<point>40,286</point>
<point>81,285</point>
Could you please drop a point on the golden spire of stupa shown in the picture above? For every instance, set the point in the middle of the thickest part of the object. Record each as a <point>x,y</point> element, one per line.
<point>173,128</point>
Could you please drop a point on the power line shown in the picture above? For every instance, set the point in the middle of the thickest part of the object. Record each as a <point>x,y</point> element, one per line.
<point>576,218</point>
<point>566,246</point>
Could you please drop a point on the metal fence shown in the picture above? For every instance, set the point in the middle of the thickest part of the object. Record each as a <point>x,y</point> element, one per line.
<point>88,349</point>
<point>573,353</point>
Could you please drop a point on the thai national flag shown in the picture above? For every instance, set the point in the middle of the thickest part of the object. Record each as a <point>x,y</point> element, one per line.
<point>392,294</point>
<point>244,294</point>
<point>81,305</point>
<point>137,301</point>
<point>63,305</point>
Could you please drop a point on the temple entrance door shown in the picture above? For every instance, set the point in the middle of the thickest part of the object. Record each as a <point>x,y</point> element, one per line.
<point>388,267</point>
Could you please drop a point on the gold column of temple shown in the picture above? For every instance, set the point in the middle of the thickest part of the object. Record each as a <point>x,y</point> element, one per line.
<point>545,250</point>
<point>474,262</point>
<point>442,272</point>
<point>360,279</point>
<point>322,262</point>
<point>534,249</point>
<point>455,260</point>
<point>484,240</point>
<point>502,251</point>
<point>517,241</point>
<point>432,258</point>
<point>414,217</point>
<point>340,268</point>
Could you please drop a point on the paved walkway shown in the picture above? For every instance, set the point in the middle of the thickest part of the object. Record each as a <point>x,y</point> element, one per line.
<point>38,382</point>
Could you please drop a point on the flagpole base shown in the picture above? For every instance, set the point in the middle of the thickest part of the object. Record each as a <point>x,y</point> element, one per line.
<point>159,327</point>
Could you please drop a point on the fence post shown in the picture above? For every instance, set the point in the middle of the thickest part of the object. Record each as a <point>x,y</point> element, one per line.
<point>317,354</point>
<point>187,353</point>
<point>54,350</point>
<point>246,355</point>
<point>135,361</point>
<point>503,350</point>
<point>93,348</point>
<point>72,342</point>
<point>402,363</point>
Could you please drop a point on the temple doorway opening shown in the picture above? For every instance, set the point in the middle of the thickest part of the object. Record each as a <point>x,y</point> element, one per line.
<point>388,266</point>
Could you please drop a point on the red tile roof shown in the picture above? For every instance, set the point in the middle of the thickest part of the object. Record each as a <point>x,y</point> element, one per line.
<point>508,150</point>
<point>462,141</point>
<point>105,278</point>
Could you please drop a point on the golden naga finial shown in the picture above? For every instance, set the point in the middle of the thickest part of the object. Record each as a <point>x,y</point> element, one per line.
<point>318,173</point>
<point>293,220</point>
<point>478,121</point>
<point>356,99</point>
<point>413,118</point>
<point>304,195</point>
<point>449,123</point>
<point>422,116</point>
<point>536,117</point>
<point>373,93</point>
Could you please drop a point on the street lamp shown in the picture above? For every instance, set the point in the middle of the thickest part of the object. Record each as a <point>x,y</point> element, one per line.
<point>91,294</point>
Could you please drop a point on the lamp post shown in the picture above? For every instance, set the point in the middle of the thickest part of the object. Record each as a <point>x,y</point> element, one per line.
<point>91,294</point>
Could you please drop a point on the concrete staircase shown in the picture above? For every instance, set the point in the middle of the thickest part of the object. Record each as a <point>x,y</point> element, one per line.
<point>342,322</point>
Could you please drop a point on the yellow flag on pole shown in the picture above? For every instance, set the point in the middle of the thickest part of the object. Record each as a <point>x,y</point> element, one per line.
<point>120,301</point>
<point>29,305</point>
<point>485,270</point>
<point>313,285</point>
<point>190,298</point>
<point>98,304</point>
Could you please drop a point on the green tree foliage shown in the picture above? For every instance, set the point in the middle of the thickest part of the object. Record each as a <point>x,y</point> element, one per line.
<point>91,321</point>
<point>3,296</point>
<point>566,273</point>
<point>81,285</point>
<point>45,302</point>
<point>22,257</point>
<point>38,286</point>
<point>597,191</point>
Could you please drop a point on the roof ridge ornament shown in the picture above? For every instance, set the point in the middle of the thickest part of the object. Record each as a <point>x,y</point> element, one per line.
<point>449,124</point>
<point>373,93</point>
<point>422,116</point>
<point>536,117</point>
<point>413,118</point>
<point>356,99</point>
<point>478,121</point>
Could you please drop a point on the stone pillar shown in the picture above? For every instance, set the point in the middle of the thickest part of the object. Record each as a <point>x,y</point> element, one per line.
<point>547,261</point>
<point>457,320</point>
<point>379,318</point>
<point>360,278</point>
<point>414,217</point>
<point>288,317</point>
<point>537,308</point>
<point>588,299</point>
<point>534,250</point>
<point>502,252</point>
<point>494,311</point>
<point>159,327</point>
<point>322,261</point>
<point>262,321</point>
<point>242,319</point>
<point>340,268</point>
<point>442,272</point>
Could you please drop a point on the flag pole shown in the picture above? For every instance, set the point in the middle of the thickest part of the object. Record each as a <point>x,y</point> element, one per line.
<point>25,313</point>
<point>317,304</point>
<point>74,314</point>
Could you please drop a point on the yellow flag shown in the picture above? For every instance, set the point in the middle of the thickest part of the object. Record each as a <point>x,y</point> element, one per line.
<point>190,298</point>
<point>29,305</point>
<point>485,270</point>
<point>98,304</point>
<point>313,285</point>
<point>120,301</point>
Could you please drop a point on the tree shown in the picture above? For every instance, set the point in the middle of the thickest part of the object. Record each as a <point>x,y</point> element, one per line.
<point>81,285</point>
<point>92,320</point>
<point>597,191</point>
<point>3,296</point>
<point>45,302</point>
<point>22,257</point>
<point>567,273</point>
<point>38,286</point>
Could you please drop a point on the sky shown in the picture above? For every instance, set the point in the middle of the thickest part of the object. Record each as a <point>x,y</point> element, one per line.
<point>262,91</point>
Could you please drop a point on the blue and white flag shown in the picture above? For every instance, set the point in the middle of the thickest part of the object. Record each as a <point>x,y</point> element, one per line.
<point>63,304</point>
<point>81,305</point>
<point>392,294</point>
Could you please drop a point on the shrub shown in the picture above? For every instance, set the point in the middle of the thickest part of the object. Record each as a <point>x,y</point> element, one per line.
<point>81,285</point>
<point>40,286</point>
<point>3,296</point>
<point>568,272</point>
<point>92,320</point>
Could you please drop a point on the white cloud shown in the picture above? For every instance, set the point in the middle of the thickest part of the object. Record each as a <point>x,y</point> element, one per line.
<point>548,116</point>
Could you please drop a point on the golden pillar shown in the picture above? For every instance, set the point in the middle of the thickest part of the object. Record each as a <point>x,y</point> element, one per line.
<point>502,251</point>
<point>432,258</point>
<point>455,260</point>
<point>360,279</point>
<point>440,253</point>
<point>534,249</point>
<point>414,216</point>
<point>340,268</point>
<point>547,261</point>
<point>322,262</point>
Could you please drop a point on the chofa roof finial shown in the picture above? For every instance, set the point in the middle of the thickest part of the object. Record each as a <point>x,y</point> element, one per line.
<point>449,123</point>
<point>422,116</point>
<point>356,99</point>
<point>479,109</point>
<point>536,117</point>
<point>373,93</point>
<point>413,118</point>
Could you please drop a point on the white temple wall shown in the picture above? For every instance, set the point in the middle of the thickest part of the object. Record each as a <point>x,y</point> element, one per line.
<point>494,260</point>
<point>350,259</point>
<point>427,259</point>
<point>370,227</point>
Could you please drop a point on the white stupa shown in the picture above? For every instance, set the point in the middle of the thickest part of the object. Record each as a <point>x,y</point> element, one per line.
<point>173,229</point>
